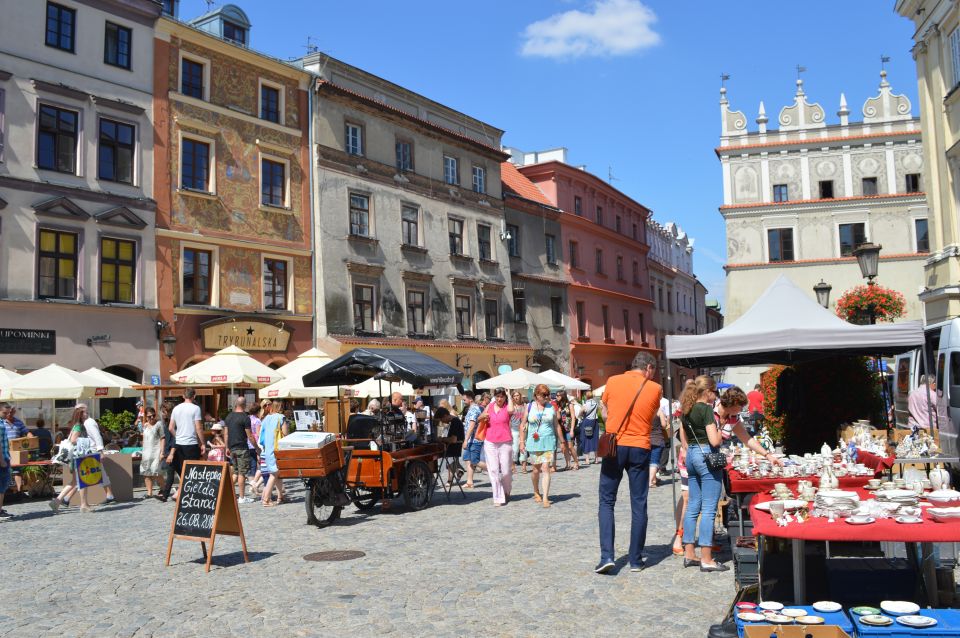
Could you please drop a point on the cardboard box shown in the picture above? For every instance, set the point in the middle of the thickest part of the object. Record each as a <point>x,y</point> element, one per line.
<point>794,631</point>
<point>24,443</point>
<point>19,457</point>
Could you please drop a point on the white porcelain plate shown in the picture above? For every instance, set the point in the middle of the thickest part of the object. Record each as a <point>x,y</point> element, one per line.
<point>860,520</point>
<point>810,620</point>
<point>788,504</point>
<point>749,616</point>
<point>827,606</point>
<point>779,619</point>
<point>908,520</point>
<point>770,605</point>
<point>899,607</point>
<point>876,620</point>
<point>917,621</point>
<point>793,612</point>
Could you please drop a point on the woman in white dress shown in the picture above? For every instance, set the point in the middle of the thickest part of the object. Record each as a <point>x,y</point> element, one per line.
<point>152,455</point>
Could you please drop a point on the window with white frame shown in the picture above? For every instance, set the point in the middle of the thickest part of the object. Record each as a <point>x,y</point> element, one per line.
<point>193,78</point>
<point>271,102</point>
<point>118,270</point>
<point>58,132</point>
<point>464,315</point>
<point>275,283</point>
<point>404,152</point>
<point>57,264</point>
<point>273,182</point>
<point>364,307</point>
<point>197,276</point>
<point>359,215</point>
<point>410,225</point>
<point>353,138</point>
<point>195,162</point>
<point>479,179</point>
<point>416,311</point>
<point>451,170</point>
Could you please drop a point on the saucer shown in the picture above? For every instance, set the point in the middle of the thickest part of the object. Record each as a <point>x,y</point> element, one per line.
<point>810,620</point>
<point>860,520</point>
<point>917,621</point>
<point>876,620</point>
<point>770,605</point>
<point>827,606</point>
<point>899,607</point>
<point>908,519</point>
<point>865,611</point>
<point>749,616</point>
<point>794,613</point>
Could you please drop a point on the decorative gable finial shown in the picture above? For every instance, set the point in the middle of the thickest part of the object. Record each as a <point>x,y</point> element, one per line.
<point>762,118</point>
<point>801,115</point>
<point>731,122</point>
<point>887,106</point>
<point>844,112</point>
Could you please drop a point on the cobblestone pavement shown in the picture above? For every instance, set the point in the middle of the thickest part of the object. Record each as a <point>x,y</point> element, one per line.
<point>454,569</point>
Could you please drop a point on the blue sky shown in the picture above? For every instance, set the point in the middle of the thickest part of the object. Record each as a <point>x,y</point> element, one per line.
<point>624,85</point>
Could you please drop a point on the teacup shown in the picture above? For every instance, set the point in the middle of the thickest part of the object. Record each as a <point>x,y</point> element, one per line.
<point>777,509</point>
<point>874,483</point>
<point>780,487</point>
<point>900,483</point>
<point>927,485</point>
<point>887,485</point>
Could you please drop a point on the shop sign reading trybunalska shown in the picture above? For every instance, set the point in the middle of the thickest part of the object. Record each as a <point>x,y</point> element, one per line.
<point>247,334</point>
<point>27,341</point>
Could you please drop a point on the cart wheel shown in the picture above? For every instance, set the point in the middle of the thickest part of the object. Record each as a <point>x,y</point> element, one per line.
<point>416,485</point>
<point>363,498</point>
<point>318,512</point>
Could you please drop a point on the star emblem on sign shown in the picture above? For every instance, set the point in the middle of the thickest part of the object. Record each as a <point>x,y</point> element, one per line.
<point>249,331</point>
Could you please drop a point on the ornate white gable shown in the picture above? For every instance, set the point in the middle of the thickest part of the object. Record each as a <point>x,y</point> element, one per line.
<point>801,115</point>
<point>886,107</point>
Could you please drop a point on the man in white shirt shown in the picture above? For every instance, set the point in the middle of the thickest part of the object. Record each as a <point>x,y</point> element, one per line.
<point>93,433</point>
<point>186,425</point>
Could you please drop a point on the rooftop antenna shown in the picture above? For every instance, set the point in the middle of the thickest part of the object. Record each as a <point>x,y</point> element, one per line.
<point>610,178</point>
<point>310,46</point>
<point>210,4</point>
<point>883,61</point>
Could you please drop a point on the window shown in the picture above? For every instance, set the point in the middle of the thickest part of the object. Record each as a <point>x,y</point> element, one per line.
<point>483,242</point>
<point>410,225</point>
<point>57,139</point>
<point>513,242</point>
<point>660,298</point>
<point>191,78</point>
<point>923,238</point>
<point>574,254</point>
<point>826,189</point>
<point>620,268</point>
<point>479,179</point>
<point>617,223</point>
<point>274,284</point>
<point>869,186</point>
<point>491,318</point>
<point>581,320</point>
<point>669,301</point>
<point>643,330</point>
<point>556,311</point>
<point>116,45</point>
<point>451,170</point>
<point>269,103</point>
<point>195,165</point>
<point>913,182</point>
<point>416,312</point>
<point>2,122</point>
<point>116,148</point>
<point>781,193</point>
<point>955,58</point>
<point>577,205</point>
<point>273,183</point>
<point>628,335</point>
<point>464,316</point>
<point>599,256</point>
<point>600,215</point>
<point>363,306</point>
<point>607,333</point>
<point>61,26</point>
<point>636,272</point>
<point>404,156</point>
<point>359,215</point>
<point>519,305</point>
<point>455,234</point>
<point>779,244</point>
<point>354,138</point>
<point>551,248</point>
<point>851,236</point>
<point>196,276</point>
<point>635,236</point>
<point>234,33</point>
<point>58,265</point>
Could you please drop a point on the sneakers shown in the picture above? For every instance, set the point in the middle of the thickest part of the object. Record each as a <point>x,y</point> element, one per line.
<point>55,504</point>
<point>109,500</point>
<point>244,499</point>
<point>5,514</point>
<point>604,567</point>
<point>636,568</point>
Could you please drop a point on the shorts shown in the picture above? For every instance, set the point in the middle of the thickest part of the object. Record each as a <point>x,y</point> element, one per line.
<point>566,436</point>
<point>473,452</point>
<point>4,478</point>
<point>538,458</point>
<point>655,452</point>
<point>242,460</point>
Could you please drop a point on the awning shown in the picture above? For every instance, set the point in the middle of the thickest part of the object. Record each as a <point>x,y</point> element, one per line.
<point>390,364</point>
<point>513,380</point>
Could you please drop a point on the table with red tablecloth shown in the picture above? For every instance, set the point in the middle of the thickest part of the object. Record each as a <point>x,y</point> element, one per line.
<point>740,484</point>
<point>821,529</point>
<point>875,462</point>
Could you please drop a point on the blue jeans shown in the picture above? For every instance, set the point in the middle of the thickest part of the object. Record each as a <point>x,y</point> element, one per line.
<point>704,485</point>
<point>636,461</point>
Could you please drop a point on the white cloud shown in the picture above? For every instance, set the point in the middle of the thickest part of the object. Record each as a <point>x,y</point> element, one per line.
<point>610,27</point>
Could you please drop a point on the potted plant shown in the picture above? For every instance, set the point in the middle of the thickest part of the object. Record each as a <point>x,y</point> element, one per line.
<point>857,304</point>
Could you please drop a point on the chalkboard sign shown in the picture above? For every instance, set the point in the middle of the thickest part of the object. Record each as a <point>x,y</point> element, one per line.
<point>197,500</point>
<point>206,507</point>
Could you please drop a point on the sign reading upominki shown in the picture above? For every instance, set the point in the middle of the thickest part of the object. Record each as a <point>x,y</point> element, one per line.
<point>247,334</point>
<point>27,341</point>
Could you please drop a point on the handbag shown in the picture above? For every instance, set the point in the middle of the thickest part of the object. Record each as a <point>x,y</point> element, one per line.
<point>607,446</point>
<point>716,460</point>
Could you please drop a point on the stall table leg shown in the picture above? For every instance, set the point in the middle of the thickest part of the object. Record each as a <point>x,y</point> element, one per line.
<point>928,569</point>
<point>799,572</point>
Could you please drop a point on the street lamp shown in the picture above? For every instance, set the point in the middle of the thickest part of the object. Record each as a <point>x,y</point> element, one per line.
<point>868,258</point>
<point>822,290</point>
<point>536,367</point>
<point>466,369</point>
<point>580,370</point>
<point>169,344</point>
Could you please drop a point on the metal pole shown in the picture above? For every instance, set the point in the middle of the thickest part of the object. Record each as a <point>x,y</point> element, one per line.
<point>931,404</point>
<point>675,472</point>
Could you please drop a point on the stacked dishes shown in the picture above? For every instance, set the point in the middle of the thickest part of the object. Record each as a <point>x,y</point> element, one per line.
<point>944,498</point>
<point>899,497</point>
<point>944,514</point>
<point>836,502</point>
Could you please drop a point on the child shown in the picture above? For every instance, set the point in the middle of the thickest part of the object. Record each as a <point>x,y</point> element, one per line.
<point>217,446</point>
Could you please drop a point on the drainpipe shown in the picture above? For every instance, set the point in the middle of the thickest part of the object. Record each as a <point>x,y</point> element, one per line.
<point>314,257</point>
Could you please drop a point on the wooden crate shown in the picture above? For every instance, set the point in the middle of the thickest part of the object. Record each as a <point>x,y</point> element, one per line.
<point>310,463</point>
<point>24,443</point>
<point>793,631</point>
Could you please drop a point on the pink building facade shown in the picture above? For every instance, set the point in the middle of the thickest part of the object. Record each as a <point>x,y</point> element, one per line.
<point>604,253</point>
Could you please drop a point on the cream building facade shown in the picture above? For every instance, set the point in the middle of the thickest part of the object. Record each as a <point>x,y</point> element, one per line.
<point>937,52</point>
<point>797,200</point>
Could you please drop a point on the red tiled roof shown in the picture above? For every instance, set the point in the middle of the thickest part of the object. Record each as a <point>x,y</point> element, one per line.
<point>794,202</point>
<point>518,183</point>
<point>812,141</point>
<point>827,260</point>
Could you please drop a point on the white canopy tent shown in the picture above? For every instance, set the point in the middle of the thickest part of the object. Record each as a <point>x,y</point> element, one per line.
<point>312,359</point>
<point>8,377</point>
<point>57,382</point>
<point>514,380</point>
<point>560,380</point>
<point>786,325</point>
<point>292,388</point>
<point>118,386</point>
<point>376,388</point>
<point>228,367</point>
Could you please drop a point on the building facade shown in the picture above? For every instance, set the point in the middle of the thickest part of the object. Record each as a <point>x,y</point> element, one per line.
<point>798,200</point>
<point>234,231</point>
<point>937,52</point>
<point>603,250</point>
<point>539,283</point>
<point>77,186</point>
<point>411,244</point>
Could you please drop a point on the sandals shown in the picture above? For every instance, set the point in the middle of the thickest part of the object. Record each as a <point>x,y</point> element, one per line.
<point>269,504</point>
<point>546,502</point>
<point>468,485</point>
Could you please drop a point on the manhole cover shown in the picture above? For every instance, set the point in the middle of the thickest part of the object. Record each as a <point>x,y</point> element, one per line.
<point>336,555</point>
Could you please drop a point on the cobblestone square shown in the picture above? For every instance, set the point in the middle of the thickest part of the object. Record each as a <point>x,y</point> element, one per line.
<point>454,569</point>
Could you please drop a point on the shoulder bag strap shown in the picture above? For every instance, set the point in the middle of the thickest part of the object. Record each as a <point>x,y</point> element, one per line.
<point>626,416</point>
<point>697,439</point>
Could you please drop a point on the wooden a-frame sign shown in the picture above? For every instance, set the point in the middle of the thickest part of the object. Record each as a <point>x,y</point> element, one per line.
<point>206,506</point>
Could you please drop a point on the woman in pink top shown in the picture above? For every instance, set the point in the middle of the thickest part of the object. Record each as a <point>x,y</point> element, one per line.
<point>498,446</point>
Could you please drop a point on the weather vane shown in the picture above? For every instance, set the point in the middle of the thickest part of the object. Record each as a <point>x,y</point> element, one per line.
<point>883,61</point>
<point>800,69</point>
<point>723,80</point>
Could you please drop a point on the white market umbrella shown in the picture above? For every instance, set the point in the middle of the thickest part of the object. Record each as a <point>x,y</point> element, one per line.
<point>514,380</point>
<point>117,386</point>
<point>228,367</point>
<point>7,377</point>
<point>558,379</point>
<point>377,388</point>
<point>598,392</point>
<point>292,388</point>
<point>56,382</point>
<point>312,359</point>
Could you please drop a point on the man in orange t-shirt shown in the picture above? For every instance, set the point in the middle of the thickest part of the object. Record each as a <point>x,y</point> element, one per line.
<point>632,400</point>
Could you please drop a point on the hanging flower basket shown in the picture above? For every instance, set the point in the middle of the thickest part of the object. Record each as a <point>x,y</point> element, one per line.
<point>857,304</point>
